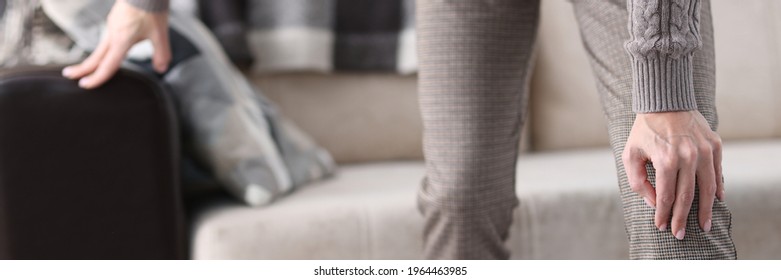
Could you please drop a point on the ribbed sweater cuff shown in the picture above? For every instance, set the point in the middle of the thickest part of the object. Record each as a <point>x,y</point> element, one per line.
<point>150,5</point>
<point>662,84</point>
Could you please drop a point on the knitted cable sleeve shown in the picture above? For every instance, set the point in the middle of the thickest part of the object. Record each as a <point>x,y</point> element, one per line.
<point>664,35</point>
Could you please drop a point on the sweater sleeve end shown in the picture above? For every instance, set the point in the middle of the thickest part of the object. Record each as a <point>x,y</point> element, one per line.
<point>152,6</point>
<point>662,84</point>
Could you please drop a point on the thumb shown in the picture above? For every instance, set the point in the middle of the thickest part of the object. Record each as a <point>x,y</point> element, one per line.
<point>162,53</point>
<point>637,174</point>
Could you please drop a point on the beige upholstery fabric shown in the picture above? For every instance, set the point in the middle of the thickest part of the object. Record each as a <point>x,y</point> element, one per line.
<point>357,117</point>
<point>753,176</point>
<point>358,216</point>
<point>748,67</point>
<point>563,91</point>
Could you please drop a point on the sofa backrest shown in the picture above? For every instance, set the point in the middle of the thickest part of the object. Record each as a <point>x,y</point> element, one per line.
<point>373,117</point>
<point>748,67</point>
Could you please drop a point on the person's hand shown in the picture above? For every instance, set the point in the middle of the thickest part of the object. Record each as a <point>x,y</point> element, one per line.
<point>126,26</point>
<point>680,145</point>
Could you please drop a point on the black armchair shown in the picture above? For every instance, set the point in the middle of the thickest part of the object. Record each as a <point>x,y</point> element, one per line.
<point>88,174</point>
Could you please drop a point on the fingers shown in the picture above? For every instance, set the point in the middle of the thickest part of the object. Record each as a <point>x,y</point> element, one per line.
<point>108,66</point>
<point>634,164</point>
<point>162,55</point>
<point>666,177</point>
<point>706,178</point>
<point>683,199</point>
<point>717,168</point>
<point>104,62</point>
<point>125,26</point>
<point>683,149</point>
<point>89,65</point>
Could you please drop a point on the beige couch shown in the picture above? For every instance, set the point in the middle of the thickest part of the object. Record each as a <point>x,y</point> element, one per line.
<point>371,124</point>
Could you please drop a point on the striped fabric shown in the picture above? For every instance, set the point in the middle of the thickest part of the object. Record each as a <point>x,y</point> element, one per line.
<point>474,57</point>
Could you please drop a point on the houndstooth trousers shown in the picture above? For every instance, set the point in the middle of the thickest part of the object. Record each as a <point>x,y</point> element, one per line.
<point>474,59</point>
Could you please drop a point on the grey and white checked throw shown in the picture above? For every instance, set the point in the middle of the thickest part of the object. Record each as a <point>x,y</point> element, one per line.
<point>332,35</point>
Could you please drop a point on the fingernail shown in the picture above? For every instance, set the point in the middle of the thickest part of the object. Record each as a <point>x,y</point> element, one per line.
<point>680,234</point>
<point>707,226</point>
<point>161,68</point>
<point>663,227</point>
<point>647,201</point>
<point>66,72</point>
<point>722,196</point>
<point>83,82</point>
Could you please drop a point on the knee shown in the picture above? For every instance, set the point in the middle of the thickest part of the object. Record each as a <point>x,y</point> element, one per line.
<point>454,200</point>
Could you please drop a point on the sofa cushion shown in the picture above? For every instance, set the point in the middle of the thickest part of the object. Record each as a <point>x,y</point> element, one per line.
<point>369,212</point>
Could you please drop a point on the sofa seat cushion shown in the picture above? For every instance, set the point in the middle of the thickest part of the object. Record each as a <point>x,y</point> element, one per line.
<point>569,209</point>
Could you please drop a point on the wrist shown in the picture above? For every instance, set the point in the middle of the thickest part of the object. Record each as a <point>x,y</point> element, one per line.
<point>667,113</point>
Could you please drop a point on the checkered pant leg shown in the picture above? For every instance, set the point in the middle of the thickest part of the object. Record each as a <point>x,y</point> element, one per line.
<point>473,59</point>
<point>603,26</point>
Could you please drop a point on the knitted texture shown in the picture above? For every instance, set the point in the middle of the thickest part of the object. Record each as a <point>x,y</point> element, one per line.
<point>664,35</point>
<point>150,5</point>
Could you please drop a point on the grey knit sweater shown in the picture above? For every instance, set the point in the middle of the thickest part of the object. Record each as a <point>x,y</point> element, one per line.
<point>150,5</point>
<point>664,35</point>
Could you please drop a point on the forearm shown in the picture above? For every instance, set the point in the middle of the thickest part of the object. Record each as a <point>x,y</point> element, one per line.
<point>664,35</point>
<point>149,5</point>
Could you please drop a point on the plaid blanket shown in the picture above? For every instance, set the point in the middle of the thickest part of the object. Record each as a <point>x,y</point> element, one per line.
<point>27,36</point>
<point>332,35</point>
<point>306,35</point>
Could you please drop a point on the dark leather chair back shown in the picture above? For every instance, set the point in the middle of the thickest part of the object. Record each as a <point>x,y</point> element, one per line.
<point>88,174</point>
